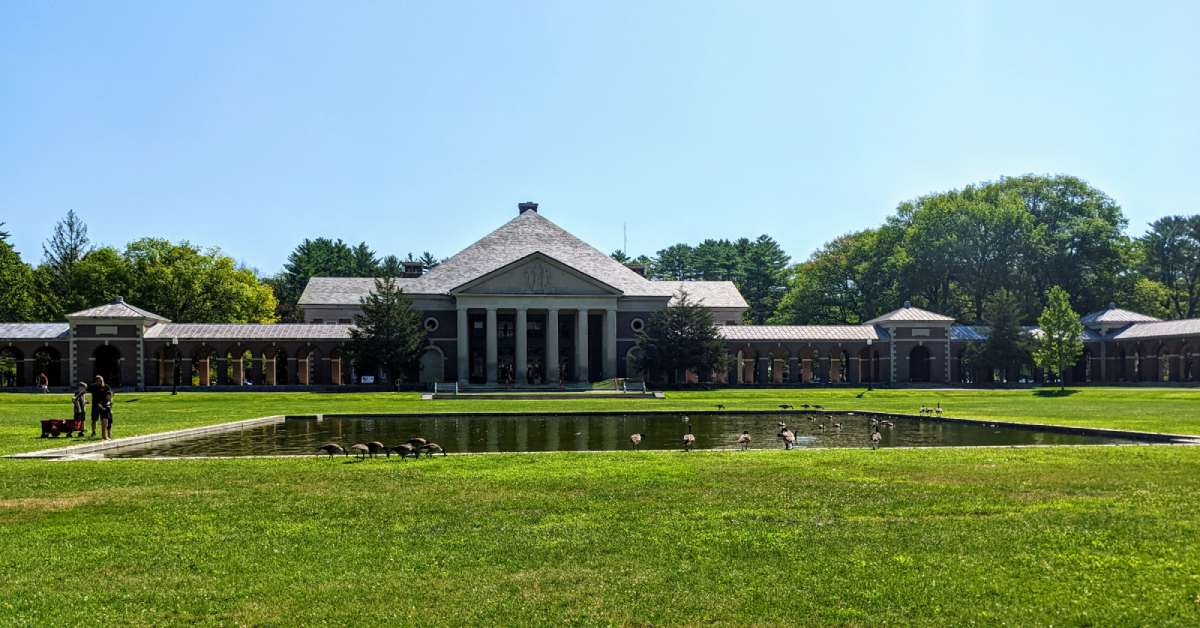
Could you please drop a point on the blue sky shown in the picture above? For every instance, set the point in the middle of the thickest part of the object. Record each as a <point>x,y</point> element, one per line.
<point>419,126</point>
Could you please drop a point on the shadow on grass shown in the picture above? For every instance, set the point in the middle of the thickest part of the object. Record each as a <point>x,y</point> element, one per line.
<point>1067,392</point>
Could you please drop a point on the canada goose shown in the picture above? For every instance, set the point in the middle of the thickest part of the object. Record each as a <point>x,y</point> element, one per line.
<point>636,439</point>
<point>805,406</point>
<point>789,438</point>
<point>876,437</point>
<point>785,406</point>
<point>689,439</point>
<point>720,406</point>
<point>403,450</point>
<point>433,448</point>
<point>376,447</point>
<point>360,450</point>
<point>938,409</point>
<point>417,441</point>
<point>818,407</point>
<point>330,448</point>
<point>744,440</point>
<point>837,425</point>
<point>781,424</point>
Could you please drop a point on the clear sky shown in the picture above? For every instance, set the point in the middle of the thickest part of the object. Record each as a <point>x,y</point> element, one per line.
<point>419,126</point>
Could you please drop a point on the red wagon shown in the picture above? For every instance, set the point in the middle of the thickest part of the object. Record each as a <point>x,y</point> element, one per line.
<point>54,427</point>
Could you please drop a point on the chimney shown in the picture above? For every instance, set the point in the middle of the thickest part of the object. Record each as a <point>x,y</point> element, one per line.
<point>412,270</point>
<point>637,268</point>
<point>527,206</point>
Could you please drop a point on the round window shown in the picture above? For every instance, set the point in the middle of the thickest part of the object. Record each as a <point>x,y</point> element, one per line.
<point>637,324</point>
<point>431,324</point>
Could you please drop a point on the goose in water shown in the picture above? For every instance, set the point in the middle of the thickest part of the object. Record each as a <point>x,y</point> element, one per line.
<point>636,439</point>
<point>743,441</point>
<point>789,438</point>
<point>876,437</point>
<point>689,439</point>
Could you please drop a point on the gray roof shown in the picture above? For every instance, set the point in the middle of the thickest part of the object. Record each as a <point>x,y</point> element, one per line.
<point>801,332</point>
<point>117,309</point>
<point>344,290</point>
<point>526,234</point>
<point>221,331</point>
<point>1115,315</point>
<point>913,314</point>
<point>1160,329</point>
<point>970,333</point>
<point>706,293</point>
<point>34,331</point>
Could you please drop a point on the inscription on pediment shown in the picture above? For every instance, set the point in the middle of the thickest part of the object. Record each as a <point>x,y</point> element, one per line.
<point>536,277</point>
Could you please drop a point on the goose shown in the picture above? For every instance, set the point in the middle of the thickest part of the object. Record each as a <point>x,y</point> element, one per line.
<point>376,447</point>
<point>417,441</point>
<point>818,407</point>
<point>785,406</point>
<point>331,448</point>
<point>689,439</point>
<point>821,427</point>
<point>720,406</point>
<point>360,450</point>
<point>876,437</point>
<point>938,409</point>
<point>433,448</point>
<point>781,424</point>
<point>636,439</point>
<point>837,425</point>
<point>805,406</point>
<point>789,438</point>
<point>744,440</point>
<point>403,450</point>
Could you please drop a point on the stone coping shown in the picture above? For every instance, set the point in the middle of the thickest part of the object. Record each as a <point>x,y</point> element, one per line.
<point>93,447</point>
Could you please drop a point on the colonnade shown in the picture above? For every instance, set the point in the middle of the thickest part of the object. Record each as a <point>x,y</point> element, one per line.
<point>580,371</point>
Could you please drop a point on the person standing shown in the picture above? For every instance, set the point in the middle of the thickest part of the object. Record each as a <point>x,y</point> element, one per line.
<point>78,408</point>
<point>101,394</point>
<point>43,382</point>
<point>106,417</point>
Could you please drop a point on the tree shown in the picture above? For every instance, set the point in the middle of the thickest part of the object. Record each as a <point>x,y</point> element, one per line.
<point>189,285</point>
<point>1061,335</point>
<point>679,338</point>
<point>620,256</point>
<point>4,235</point>
<point>363,263</point>
<point>16,285</point>
<point>391,266</point>
<point>1006,348</point>
<point>320,257</point>
<point>674,263</point>
<point>59,287</point>
<point>428,261</point>
<point>764,278</point>
<point>1170,255</point>
<point>388,335</point>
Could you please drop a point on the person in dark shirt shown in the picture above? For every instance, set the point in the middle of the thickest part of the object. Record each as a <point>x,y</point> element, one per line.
<point>78,407</point>
<point>101,406</point>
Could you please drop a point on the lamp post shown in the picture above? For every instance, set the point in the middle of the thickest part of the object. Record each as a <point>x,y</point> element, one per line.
<point>175,367</point>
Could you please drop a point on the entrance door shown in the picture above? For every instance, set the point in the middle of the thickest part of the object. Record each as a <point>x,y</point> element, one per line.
<point>918,365</point>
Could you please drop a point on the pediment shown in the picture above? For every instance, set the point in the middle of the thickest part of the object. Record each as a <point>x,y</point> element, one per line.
<point>536,273</point>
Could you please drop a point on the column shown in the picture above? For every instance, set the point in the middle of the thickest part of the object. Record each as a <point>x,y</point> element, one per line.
<point>522,346</point>
<point>610,343</point>
<point>760,377</point>
<point>581,346</point>
<point>269,369</point>
<point>491,345</point>
<point>462,347</point>
<point>552,374</point>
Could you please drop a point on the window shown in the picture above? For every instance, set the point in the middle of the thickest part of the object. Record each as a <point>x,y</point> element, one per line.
<point>344,321</point>
<point>318,321</point>
<point>432,324</point>
<point>637,324</point>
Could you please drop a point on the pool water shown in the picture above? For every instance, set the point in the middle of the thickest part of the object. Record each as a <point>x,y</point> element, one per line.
<point>464,434</point>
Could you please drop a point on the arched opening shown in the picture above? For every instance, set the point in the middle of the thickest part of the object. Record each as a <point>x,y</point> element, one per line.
<point>308,368</point>
<point>433,365</point>
<point>106,362</point>
<point>1188,364</point>
<point>1122,365</point>
<point>866,365</point>
<point>966,367</point>
<point>1163,359</point>
<point>918,364</point>
<point>48,360</point>
<point>843,367</point>
<point>12,367</point>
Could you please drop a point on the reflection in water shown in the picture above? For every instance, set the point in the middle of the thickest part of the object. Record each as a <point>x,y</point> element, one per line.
<point>600,432</point>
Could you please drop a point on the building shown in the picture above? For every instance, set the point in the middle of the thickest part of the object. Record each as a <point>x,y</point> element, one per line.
<point>530,304</point>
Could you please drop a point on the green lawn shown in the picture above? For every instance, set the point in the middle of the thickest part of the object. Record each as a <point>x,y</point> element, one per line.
<point>1075,536</point>
<point>1173,410</point>
<point>1061,535</point>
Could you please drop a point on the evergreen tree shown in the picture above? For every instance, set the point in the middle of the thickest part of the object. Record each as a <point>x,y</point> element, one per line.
<point>320,257</point>
<point>620,256</point>
<point>763,278</point>
<point>1061,341</point>
<point>1006,348</point>
<point>391,266</point>
<point>679,338</point>
<point>428,261</point>
<point>364,262</point>
<point>388,335</point>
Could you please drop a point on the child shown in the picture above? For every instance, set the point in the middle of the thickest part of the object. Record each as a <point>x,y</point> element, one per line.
<point>78,408</point>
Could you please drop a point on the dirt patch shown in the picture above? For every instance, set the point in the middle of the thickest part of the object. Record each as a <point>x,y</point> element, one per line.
<point>45,503</point>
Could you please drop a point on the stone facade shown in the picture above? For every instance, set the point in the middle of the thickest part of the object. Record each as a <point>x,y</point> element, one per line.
<point>531,305</point>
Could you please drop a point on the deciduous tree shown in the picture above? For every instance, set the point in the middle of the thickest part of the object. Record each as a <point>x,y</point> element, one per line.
<point>1060,340</point>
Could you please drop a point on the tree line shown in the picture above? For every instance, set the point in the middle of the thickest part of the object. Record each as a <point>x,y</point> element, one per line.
<point>951,252</point>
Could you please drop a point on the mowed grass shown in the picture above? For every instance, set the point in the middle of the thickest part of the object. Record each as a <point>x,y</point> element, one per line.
<point>1171,410</point>
<point>1074,536</point>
